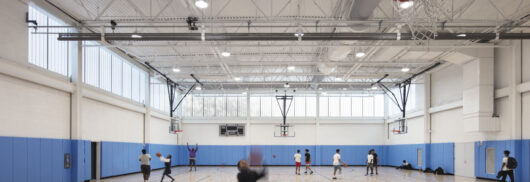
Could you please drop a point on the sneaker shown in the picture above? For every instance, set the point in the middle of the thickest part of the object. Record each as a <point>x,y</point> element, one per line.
<point>366,174</point>
<point>372,174</point>
<point>334,177</point>
<point>376,173</point>
<point>311,172</point>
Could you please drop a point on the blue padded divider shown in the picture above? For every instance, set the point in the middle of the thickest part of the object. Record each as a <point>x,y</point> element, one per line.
<point>165,150</point>
<point>81,160</point>
<point>119,158</point>
<point>6,156</point>
<point>34,146</point>
<point>395,154</point>
<point>524,163</point>
<point>88,160</point>
<point>46,160</point>
<point>20,156</point>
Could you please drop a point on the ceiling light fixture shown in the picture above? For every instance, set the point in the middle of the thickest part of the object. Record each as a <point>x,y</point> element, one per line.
<point>136,36</point>
<point>176,70</point>
<point>461,35</point>
<point>360,54</point>
<point>201,4</point>
<point>405,69</point>
<point>244,93</point>
<point>374,87</point>
<point>198,88</point>
<point>225,54</point>
<point>406,4</point>
<point>286,85</point>
<point>320,88</point>
<point>324,93</point>
<point>237,78</point>
<point>338,79</point>
<point>291,67</point>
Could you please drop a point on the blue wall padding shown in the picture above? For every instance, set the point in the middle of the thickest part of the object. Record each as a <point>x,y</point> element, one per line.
<point>34,159</point>
<point>518,148</point>
<point>119,158</point>
<point>395,154</point>
<point>81,160</point>
<point>442,155</point>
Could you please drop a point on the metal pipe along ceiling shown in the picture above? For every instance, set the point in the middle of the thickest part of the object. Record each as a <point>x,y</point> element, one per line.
<point>280,36</point>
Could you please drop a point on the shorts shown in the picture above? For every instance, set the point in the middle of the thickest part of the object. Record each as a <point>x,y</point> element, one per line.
<point>370,165</point>
<point>146,171</point>
<point>298,164</point>
<point>307,162</point>
<point>192,161</point>
<point>335,167</point>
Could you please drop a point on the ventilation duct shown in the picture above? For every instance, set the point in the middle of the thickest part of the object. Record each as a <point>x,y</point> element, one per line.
<point>362,10</point>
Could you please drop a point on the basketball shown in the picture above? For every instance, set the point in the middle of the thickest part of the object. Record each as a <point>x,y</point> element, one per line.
<point>344,164</point>
<point>274,156</point>
<point>158,154</point>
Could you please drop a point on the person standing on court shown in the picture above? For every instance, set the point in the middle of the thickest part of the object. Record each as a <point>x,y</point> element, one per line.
<point>298,162</point>
<point>370,163</point>
<point>167,167</point>
<point>246,174</point>
<point>336,164</point>
<point>508,165</point>
<point>193,154</point>
<point>376,161</point>
<point>308,161</point>
<point>145,165</point>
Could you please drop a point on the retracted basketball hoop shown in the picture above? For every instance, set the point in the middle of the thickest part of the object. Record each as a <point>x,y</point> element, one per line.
<point>284,129</point>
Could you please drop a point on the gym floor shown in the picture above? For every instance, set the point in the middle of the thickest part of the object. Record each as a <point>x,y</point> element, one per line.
<point>286,174</point>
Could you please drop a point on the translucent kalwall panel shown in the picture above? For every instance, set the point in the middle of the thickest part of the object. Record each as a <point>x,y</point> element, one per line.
<point>220,106</point>
<point>209,106</point>
<point>187,106</point>
<point>126,80</point>
<point>368,106</point>
<point>266,106</point>
<point>311,106</point>
<point>334,106</point>
<point>379,105</point>
<point>242,107</point>
<point>143,87</point>
<point>38,43</point>
<point>57,50</point>
<point>324,107</point>
<point>345,106</point>
<point>135,85</point>
<point>117,75</point>
<point>156,96</point>
<point>357,106</point>
<point>231,106</point>
<point>276,112</point>
<point>164,98</point>
<point>299,109</point>
<point>255,106</point>
<point>91,59</point>
<point>105,70</point>
<point>197,106</point>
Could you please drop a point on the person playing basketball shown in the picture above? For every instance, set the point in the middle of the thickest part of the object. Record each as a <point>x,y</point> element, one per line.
<point>167,166</point>
<point>298,162</point>
<point>308,161</point>
<point>193,154</point>
<point>376,161</point>
<point>370,163</point>
<point>145,166</point>
<point>336,164</point>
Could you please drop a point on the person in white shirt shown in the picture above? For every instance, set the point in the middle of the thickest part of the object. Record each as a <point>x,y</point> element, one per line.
<point>336,164</point>
<point>505,170</point>
<point>370,163</point>
<point>298,162</point>
<point>145,166</point>
<point>167,167</point>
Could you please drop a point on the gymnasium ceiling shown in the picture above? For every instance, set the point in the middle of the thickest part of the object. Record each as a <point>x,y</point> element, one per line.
<point>317,64</point>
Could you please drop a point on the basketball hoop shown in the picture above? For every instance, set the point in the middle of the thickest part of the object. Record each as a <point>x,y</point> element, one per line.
<point>177,131</point>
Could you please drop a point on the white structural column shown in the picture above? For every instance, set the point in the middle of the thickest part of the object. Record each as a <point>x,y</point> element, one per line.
<point>478,90</point>
<point>427,106</point>
<point>515,96</point>
<point>77,94</point>
<point>147,115</point>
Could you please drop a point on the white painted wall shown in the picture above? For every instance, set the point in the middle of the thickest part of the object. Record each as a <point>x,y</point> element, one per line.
<point>526,115</point>
<point>262,133</point>
<point>101,121</point>
<point>159,131</point>
<point>502,65</point>
<point>31,110</point>
<point>446,85</point>
<point>526,61</point>
<point>14,31</point>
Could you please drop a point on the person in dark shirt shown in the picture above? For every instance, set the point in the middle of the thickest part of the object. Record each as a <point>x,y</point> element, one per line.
<point>308,161</point>
<point>376,161</point>
<point>246,174</point>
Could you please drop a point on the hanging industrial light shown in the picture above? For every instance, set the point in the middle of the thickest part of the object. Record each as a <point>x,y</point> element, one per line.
<point>201,4</point>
